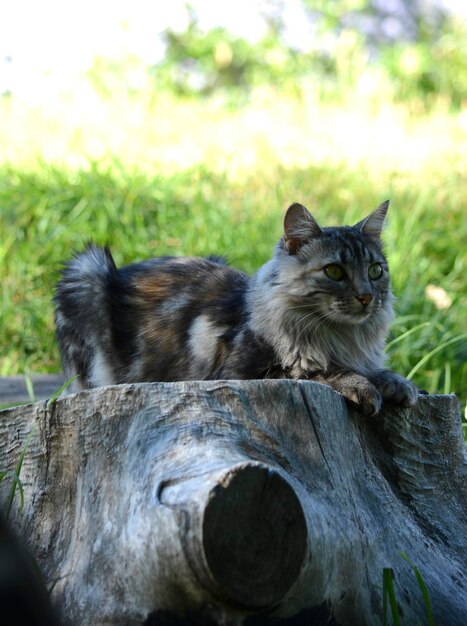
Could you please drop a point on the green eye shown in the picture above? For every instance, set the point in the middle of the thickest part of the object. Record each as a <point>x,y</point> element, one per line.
<point>334,271</point>
<point>375,271</point>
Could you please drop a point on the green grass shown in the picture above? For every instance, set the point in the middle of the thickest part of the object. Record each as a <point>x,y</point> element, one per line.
<point>16,483</point>
<point>49,213</point>
<point>196,178</point>
<point>390,600</point>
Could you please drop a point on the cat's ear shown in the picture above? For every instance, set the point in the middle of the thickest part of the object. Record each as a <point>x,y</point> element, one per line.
<point>299,227</point>
<point>373,224</point>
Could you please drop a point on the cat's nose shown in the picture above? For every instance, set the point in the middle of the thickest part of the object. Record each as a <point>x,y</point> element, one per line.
<point>365,298</point>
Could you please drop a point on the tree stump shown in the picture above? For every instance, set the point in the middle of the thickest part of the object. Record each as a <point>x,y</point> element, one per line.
<point>240,502</point>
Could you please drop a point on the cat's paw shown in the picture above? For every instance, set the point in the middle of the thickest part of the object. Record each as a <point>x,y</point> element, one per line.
<point>364,394</point>
<point>395,388</point>
<point>355,388</point>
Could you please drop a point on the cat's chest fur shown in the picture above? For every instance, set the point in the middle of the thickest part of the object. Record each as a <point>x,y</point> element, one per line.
<point>306,340</point>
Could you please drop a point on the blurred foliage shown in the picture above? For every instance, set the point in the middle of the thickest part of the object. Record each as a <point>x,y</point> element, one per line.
<point>422,53</point>
<point>431,68</point>
<point>198,62</point>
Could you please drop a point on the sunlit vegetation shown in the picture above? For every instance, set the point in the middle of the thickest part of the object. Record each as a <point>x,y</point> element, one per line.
<point>152,163</point>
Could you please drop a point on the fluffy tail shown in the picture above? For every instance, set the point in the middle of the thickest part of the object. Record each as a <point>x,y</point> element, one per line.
<point>82,315</point>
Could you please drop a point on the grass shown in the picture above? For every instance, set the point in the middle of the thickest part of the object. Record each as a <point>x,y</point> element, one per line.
<point>15,480</point>
<point>390,600</point>
<point>198,177</point>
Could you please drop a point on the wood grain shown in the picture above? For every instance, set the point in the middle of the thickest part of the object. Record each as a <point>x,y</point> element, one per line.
<point>241,502</point>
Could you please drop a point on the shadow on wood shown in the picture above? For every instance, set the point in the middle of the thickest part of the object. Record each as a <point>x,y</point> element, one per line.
<point>24,599</point>
<point>241,502</point>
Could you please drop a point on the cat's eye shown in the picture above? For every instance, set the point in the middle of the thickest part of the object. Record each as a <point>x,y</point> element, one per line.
<point>375,271</point>
<point>334,271</point>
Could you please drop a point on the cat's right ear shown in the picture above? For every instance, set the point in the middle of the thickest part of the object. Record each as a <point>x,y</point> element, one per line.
<point>373,224</point>
<point>299,227</point>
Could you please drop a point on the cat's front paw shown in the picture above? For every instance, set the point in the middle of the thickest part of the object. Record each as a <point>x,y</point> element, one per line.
<point>365,395</point>
<point>355,388</point>
<point>395,388</point>
<point>361,392</point>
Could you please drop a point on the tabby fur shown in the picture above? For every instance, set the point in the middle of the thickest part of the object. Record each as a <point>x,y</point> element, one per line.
<point>312,312</point>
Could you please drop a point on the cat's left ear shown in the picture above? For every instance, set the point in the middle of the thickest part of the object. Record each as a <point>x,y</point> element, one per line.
<point>299,227</point>
<point>373,224</point>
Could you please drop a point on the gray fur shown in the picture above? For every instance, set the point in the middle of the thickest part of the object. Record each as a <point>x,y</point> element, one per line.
<point>183,318</point>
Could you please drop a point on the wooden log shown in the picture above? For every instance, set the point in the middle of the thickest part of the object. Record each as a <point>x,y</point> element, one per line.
<point>241,502</point>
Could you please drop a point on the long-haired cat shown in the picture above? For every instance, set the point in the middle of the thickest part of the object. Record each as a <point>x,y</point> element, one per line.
<point>320,309</point>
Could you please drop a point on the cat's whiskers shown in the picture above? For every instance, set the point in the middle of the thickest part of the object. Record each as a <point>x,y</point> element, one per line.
<point>307,326</point>
<point>318,324</point>
<point>329,346</point>
<point>315,325</point>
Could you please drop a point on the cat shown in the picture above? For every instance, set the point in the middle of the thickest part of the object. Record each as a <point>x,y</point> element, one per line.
<point>320,309</point>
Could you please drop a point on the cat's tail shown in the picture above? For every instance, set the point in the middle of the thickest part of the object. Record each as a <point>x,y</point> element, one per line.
<point>82,314</point>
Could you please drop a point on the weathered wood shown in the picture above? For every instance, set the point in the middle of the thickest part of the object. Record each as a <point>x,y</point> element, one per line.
<point>241,502</point>
<point>13,389</point>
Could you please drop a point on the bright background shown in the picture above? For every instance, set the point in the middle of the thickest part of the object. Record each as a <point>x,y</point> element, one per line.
<point>163,128</point>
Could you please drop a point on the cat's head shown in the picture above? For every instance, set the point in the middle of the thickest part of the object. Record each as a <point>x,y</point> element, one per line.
<point>340,272</point>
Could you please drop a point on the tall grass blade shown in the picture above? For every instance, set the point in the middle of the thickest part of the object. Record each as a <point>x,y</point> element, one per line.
<point>405,335</point>
<point>66,384</point>
<point>428,356</point>
<point>447,377</point>
<point>29,387</point>
<point>424,590</point>
<point>16,479</point>
<point>17,482</point>
<point>389,593</point>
